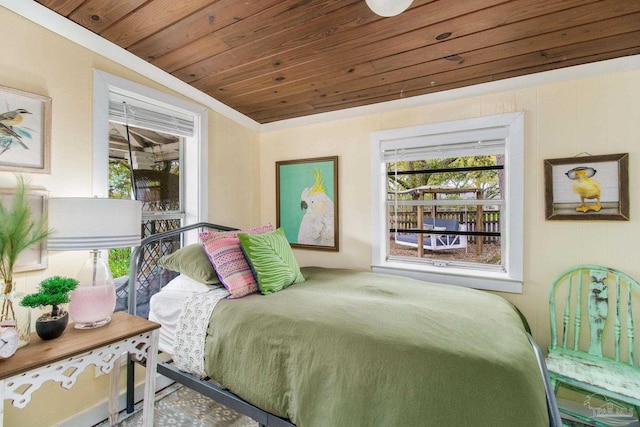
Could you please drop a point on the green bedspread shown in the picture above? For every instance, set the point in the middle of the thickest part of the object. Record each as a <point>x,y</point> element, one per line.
<point>349,349</point>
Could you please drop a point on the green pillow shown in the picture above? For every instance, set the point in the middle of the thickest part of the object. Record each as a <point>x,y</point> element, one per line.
<point>192,261</point>
<point>271,260</point>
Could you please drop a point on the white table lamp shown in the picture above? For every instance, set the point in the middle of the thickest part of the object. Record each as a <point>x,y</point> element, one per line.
<point>84,223</point>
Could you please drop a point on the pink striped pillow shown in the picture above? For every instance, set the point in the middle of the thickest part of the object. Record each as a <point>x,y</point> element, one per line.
<point>225,253</point>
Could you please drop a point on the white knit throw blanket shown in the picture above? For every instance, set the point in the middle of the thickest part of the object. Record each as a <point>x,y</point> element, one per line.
<point>192,330</point>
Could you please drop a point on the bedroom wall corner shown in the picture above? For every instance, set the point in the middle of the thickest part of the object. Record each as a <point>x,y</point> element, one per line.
<point>234,189</point>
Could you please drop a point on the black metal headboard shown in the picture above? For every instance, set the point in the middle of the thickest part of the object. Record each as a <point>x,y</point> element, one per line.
<point>133,295</point>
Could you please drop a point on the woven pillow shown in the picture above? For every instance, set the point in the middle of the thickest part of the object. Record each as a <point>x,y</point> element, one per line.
<point>192,261</point>
<point>226,256</point>
<point>271,260</point>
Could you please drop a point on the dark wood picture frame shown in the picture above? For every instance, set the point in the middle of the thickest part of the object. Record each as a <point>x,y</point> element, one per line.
<point>307,202</point>
<point>587,188</point>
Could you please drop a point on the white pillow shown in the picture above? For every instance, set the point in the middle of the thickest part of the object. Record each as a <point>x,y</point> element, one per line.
<point>439,228</point>
<point>184,283</point>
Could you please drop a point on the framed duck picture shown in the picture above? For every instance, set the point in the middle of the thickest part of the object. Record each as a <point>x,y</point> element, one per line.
<point>587,188</point>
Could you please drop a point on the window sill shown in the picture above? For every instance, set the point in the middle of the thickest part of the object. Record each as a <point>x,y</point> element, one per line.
<point>485,280</point>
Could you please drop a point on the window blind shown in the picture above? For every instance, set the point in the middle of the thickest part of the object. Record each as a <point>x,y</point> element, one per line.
<point>141,114</point>
<point>477,142</point>
<point>439,151</point>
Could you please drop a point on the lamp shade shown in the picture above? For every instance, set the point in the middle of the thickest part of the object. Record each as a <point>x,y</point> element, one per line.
<point>388,7</point>
<point>85,223</point>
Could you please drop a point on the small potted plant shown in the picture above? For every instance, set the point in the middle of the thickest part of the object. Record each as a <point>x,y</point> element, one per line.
<point>52,291</point>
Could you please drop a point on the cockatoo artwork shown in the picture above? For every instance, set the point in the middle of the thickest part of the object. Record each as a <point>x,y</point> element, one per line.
<point>316,227</point>
<point>586,187</point>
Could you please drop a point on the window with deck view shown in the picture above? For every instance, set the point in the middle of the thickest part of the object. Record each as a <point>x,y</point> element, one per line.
<point>150,146</point>
<point>448,202</point>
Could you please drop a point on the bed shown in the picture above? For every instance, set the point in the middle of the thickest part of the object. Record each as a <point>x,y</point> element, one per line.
<point>351,348</point>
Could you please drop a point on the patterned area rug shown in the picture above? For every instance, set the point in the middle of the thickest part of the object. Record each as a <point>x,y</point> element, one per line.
<point>182,406</point>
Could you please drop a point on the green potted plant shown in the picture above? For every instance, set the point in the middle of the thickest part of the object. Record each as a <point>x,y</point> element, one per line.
<point>52,291</point>
<point>18,231</point>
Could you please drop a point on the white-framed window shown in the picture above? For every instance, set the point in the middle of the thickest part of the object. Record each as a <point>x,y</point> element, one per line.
<point>117,100</point>
<point>447,202</point>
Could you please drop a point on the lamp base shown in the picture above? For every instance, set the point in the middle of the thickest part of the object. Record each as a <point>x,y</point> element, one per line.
<point>92,325</point>
<point>93,301</point>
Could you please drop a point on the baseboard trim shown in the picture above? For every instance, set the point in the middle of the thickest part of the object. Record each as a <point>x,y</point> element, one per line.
<point>100,412</point>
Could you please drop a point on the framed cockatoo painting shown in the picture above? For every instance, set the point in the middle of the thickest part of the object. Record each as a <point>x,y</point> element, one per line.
<point>307,202</point>
<point>25,131</point>
<point>588,187</point>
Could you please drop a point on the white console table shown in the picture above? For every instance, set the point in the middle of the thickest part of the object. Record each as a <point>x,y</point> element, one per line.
<point>64,358</point>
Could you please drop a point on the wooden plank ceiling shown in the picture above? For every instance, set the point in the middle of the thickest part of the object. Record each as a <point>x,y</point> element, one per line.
<point>273,59</point>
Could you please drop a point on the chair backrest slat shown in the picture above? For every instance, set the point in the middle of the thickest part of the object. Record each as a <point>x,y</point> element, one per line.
<point>567,314</point>
<point>630,328</point>
<point>597,295</point>
<point>617,326</point>
<point>598,305</point>
<point>578,315</point>
<point>552,322</point>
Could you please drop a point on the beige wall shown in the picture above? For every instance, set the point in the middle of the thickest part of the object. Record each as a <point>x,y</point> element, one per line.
<point>44,63</point>
<point>598,115</point>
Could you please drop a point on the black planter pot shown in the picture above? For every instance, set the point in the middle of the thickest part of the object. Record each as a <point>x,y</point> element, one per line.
<point>49,328</point>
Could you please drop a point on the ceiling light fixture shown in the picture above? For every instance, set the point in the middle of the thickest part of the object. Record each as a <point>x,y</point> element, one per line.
<point>388,8</point>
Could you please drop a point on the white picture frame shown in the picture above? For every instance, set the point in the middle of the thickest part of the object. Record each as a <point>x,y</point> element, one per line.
<point>25,131</point>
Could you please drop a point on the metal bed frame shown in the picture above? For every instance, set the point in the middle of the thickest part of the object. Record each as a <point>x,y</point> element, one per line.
<point>151,281</point>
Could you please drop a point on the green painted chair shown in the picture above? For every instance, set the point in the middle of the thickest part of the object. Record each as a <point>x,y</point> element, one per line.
<point>592,339</point>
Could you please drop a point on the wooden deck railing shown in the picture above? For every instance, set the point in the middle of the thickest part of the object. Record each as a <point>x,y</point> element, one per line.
<point>490,222</point>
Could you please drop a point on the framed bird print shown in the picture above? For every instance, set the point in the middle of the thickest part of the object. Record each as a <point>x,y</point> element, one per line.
<point>25,131</point>
<point>307,202</point>
<point>587,188</point>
